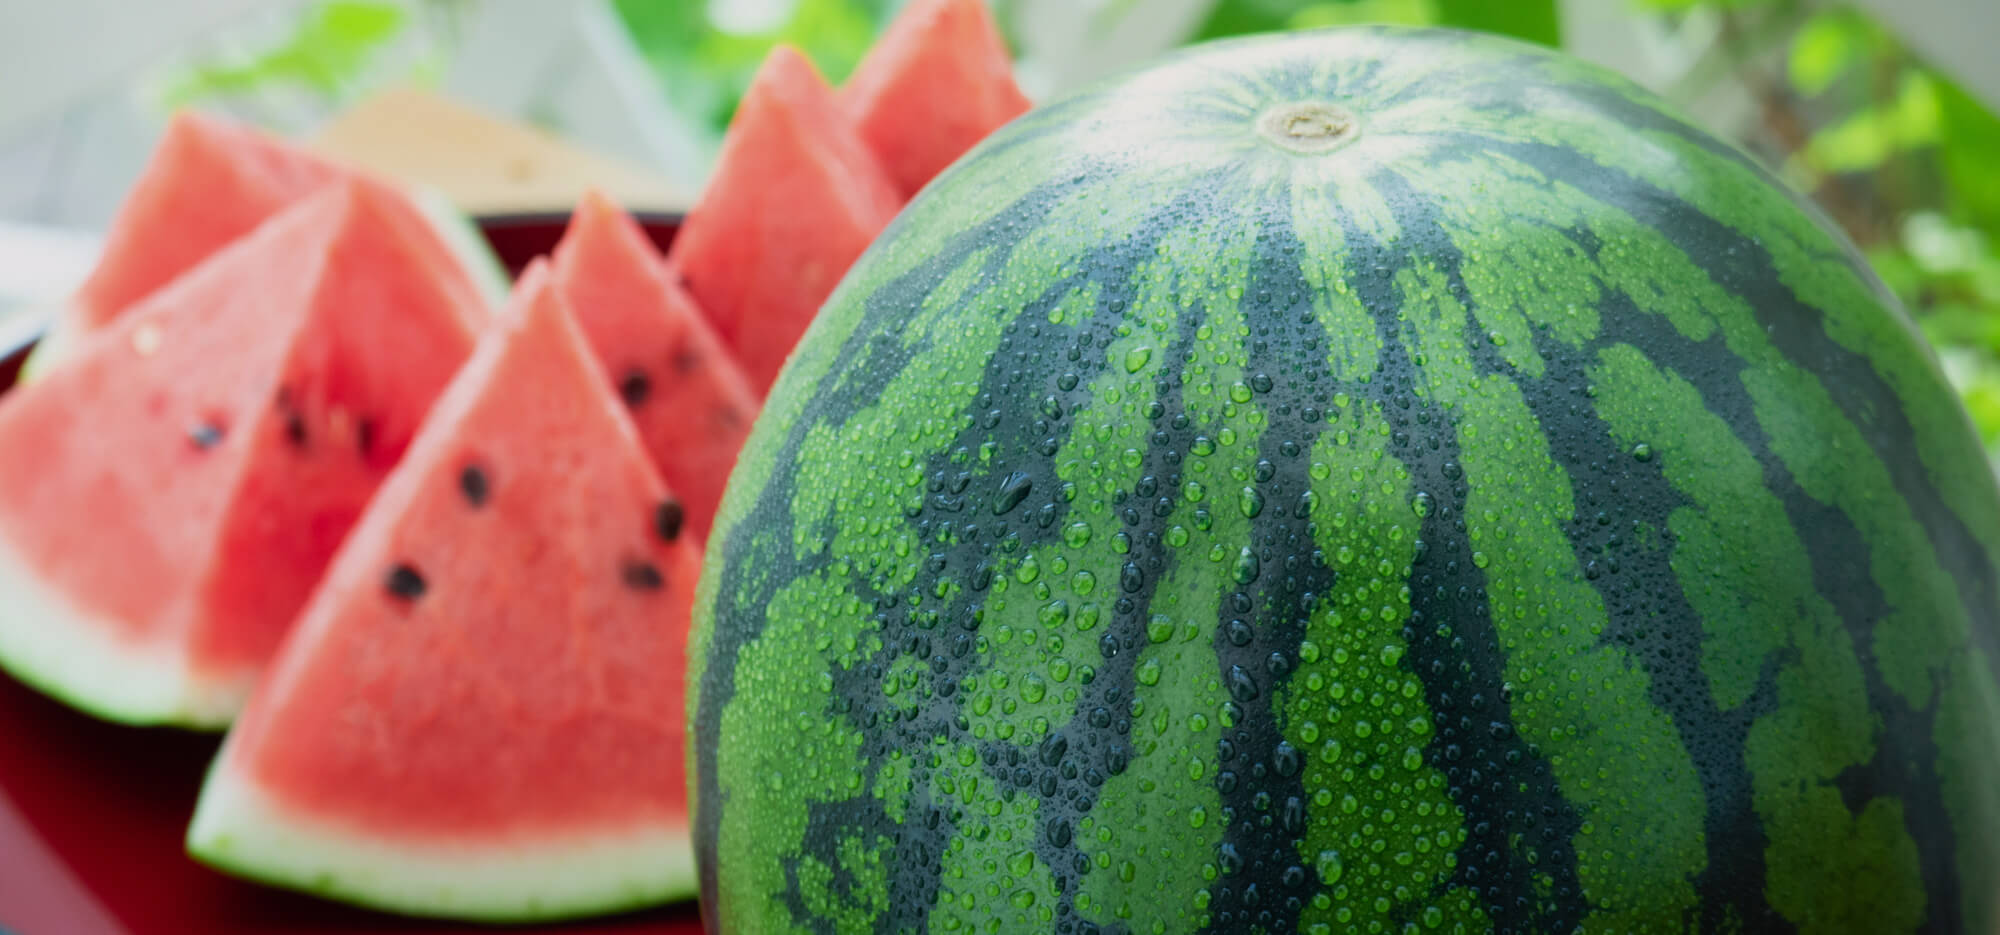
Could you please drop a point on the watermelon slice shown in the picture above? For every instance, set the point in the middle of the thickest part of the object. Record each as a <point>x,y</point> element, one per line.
<point>937,81</point>
<point>211,181</point>
<point>479,714</point>
<point>208,183</point>
<point>169,496</point>
<point>692,404</point>
<point>796,196</point>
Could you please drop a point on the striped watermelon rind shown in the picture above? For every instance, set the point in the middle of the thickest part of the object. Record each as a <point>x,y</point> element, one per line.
<point>1523,516</point>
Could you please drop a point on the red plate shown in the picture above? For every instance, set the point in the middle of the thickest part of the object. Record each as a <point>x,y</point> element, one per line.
<point>92,814</point>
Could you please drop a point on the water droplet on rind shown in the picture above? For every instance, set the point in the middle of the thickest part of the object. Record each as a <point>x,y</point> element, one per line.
<point>1013,489</point>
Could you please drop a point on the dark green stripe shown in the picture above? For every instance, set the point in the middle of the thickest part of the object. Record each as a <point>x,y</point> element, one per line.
<point>966,516</point>
<point>1262,619</point>
<point>967,511</point>
<point>1097,737</point>
<point>760,544</point>
<point>1623,541</point>
<point>1904,766</point>
<point>1511,798</point>
<point>1745,267</point>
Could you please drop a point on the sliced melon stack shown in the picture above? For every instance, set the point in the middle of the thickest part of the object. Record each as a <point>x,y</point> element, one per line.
<point>170,493</point>
<point>480,713</point>
<point>451,636</point>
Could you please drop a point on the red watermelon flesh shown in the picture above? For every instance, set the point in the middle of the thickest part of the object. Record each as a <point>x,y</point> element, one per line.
<point>208,182</point>
<point>690,401</point>
<point>169,496</point>
<point>480,712</point>
<point>936,83</point>
<point>795,198</point>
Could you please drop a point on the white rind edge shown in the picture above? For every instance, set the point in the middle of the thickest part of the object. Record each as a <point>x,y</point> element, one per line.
<point>526,877</point>
<point>72,654</point>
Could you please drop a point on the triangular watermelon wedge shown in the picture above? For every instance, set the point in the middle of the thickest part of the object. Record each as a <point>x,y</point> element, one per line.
<point>211,181</point>
<point>690,401</point>
<point>795,198</point>
<point>169,496</point>
<point>208,182</point>
<point>479,714</point>
<point>936,83</point>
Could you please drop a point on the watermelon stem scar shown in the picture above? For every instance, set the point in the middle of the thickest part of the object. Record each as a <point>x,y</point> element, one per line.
<point>1309,127</point>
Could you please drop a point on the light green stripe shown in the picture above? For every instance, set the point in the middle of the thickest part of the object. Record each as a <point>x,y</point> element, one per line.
<point>921,411</point>
<point>1855,317</point>
<point>772,764</point>
<point>1807,261</point>
<point>1926,633</point>
<point>1967,733</point>
<point>1521,269</point>
<point>1354,344</point>
<point>991,880</point>
<point>1383,832</point>
<point>1585,703</point>
<point>1152,835</point>
<point>779,753</point>
<point>1926,623</point>
<point>1746,572</point>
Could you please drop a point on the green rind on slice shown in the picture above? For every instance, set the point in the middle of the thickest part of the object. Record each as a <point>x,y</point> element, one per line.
<point>49,348</point>
<point>240,830</point>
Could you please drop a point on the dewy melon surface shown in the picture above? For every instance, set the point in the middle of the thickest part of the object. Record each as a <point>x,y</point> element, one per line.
<point>480,713</point>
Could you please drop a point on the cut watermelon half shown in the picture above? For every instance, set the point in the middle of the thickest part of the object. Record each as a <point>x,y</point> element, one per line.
<point>169,496</point>
<point>690,401</point>
<point>937,82</point>
<point>210,182</point>
<point>796,196</point>
<point>479,714</point>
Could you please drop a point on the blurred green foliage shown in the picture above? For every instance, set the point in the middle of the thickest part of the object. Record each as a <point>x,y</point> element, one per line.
<point>1904,159</point>
<point>327,53</point>
<point>705,69</point>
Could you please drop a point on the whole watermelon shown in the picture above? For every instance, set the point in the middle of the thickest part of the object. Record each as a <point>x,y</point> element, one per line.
<point>1354,481</point>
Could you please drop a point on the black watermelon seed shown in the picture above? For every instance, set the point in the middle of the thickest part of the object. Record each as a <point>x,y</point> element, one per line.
<point>642,576</point>
<point>205,435</point>
<point>667,519</point>
<point>405,582</point>
<point>472,483</point>
<point>635,387</point>
<point>364,435</point>
<point>295,429</point>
